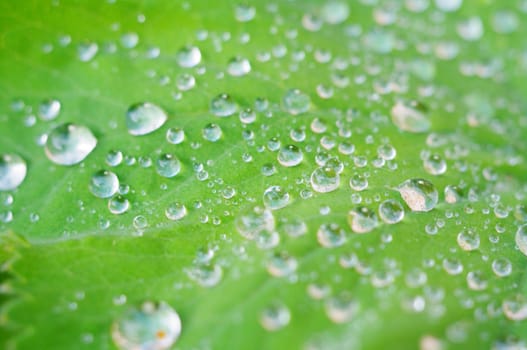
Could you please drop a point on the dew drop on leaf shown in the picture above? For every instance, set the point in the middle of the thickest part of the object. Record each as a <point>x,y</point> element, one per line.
<point>435,165</point>
<point>391,211</point>
<point>175,211</point>
<point>69,144</point>
<point>410,116</point>
<point>211,132</point>
<point>13,171</point>
<point>515,307</point>
<point>275,317</point>
<point>118,205</point>
<point>144,118</point>
<point>362,220</point>
<point>104,184</point>
<point>168,165</point>
<point>188,56</point>
<point>468,239</point>
<point>521,238</point>
<point>290,155</point>
<point>49,109</point>
<point>331,235</point>
<point>275,197</point>
<point>223,105</point>
<point>296,102</point>
<point>419,194</point>
<point>238,66</point>
<point>152,325</point>
<point>205,275</point>
<point>324,179</point>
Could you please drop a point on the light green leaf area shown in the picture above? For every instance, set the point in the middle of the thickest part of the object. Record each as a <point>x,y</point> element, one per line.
<point>70,267</point>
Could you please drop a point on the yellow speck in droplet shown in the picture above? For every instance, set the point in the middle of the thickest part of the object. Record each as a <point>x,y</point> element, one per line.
<point>161,334</point>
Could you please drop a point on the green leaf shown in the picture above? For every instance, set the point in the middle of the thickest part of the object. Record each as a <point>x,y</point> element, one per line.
<point>84,267</point>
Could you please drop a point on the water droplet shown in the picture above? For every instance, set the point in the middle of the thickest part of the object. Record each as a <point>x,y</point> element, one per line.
<point>150,326</point>
<point>13,171</point>
<point>255,220</point>
<point>281,264</point>
<point>296,102</point>
<point>453,194</point>
<point>502,267</point>
<point>238,66</point>
<point>335,12</point>
<point>325,179</point>
<point>87,50</point>
<point>118,205</point>
<point>247,116</point>
<point>411,116</point>
<point>358,182</point>
<point>223,105</point>
<point>211,132</point>
<point>387,152</point>
<point>290,156</point>
<point>185,82</point>
<point>188,56</point>
<point>49,109</point>
<point>244,12</point>
<point>435,165</point>
<point>468,239</point>
<point>452,266</point>
<point>521,238</point>
<point>331,235</point>
<point>175,211</point>
<point>419,194</point>
<point>391,211</point>
<point>104,184</point>
<point>275,317</point>
<point>362,220</point>
<point>144,118</point>
<point>276,198</point>
<point>168,165</point>
<point>205,275</point>
<point>340,308</point>
<point>515,307</point>
<point>69,144</point>
<point>175,136</point>
<point>448,5</point>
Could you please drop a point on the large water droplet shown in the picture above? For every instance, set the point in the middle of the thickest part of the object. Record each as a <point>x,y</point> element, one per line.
<point>104,184</point>
<point>13,171</point>
<point>144,118</point>
<point>362,220</point>
<point>151,326</point>
<point>188,56</point>
<point>419,194</point>
<point>411,116</point>
<point>325,179</point>
<point>69,144</point>
<point>290,156</point>
<point>276,198</point>
<point>296,102</point>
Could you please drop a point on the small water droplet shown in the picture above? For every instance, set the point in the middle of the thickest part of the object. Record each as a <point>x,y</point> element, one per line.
<point>275,317</point>
<point>419,194</point>
<point>104,184</point>
<point>290,156</point>
<point>281,264</point>
<point>358,182</point>
<point>435,165</point>
<point>276,198</point>
<point>391,211</point>
<point>49,109</point>
<point>325,179</point>
<point>238,66</point>
<point>13,171</point>
<point>188,56</point>
<point>223,105</point>
<point>176,211</point>
<point>175,136</point>
<point>411,116</point>
<point>362,220</point>
<point>211,132</point>
<point>515,307</point>
<point>118,205</point>
<point>296,102</point>
<point>205,275</point>
<point>244,12</point>
<point>69,144</point>
<point>331,235</point>
<point>168,165</point>
<point>502,267</point>
<point>87,50</point>
<point>468,239</point>
<point>521,238</point>
<point>340,308</point>
<point>144,118</point>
